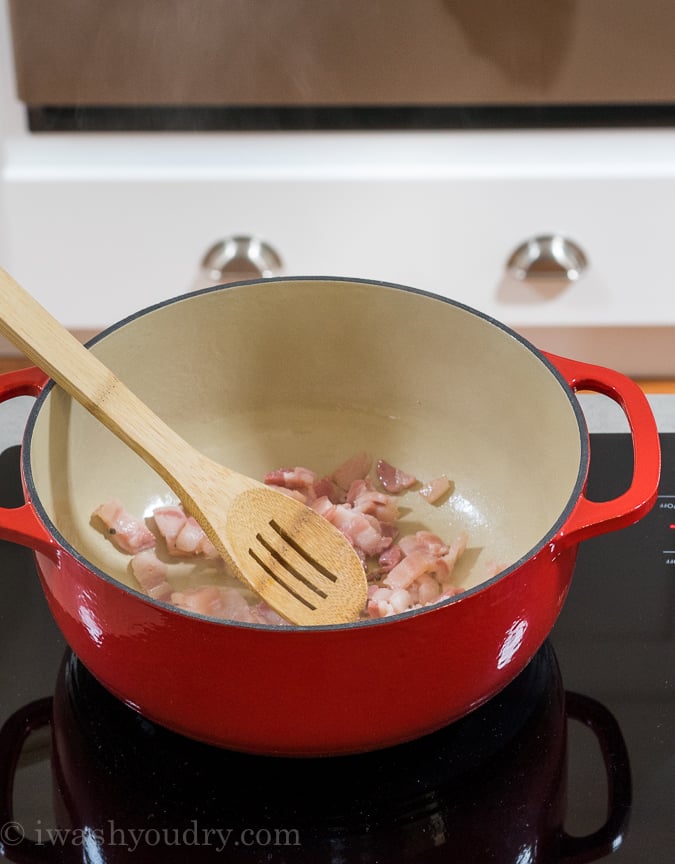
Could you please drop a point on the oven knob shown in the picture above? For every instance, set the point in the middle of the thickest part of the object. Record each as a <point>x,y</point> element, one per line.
<point>549,256</point>
<point>240,257</point>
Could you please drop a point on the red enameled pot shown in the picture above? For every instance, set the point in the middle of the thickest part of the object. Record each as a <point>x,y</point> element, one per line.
<point>308,371</point>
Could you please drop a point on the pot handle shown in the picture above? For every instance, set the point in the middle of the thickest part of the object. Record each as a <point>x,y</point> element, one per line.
<point>579,850</point>
<point>590,518</point>
<point>15,844</point>
<point>21,524</point>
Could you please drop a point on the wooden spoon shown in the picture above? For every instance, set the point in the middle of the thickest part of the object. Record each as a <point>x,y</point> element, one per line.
<point>291,557</point>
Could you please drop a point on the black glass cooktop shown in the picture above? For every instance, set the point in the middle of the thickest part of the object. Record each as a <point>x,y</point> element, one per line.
<point>574,761</point>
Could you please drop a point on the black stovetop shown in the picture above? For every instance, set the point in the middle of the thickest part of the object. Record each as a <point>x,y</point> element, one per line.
<point>485,789</point>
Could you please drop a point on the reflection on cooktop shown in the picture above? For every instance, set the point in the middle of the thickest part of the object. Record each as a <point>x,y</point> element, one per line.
<point>486,788</point>
<point>573,761</point>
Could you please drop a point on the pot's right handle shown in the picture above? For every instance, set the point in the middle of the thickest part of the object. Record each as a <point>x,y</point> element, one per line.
<point>579,850</point>
<point>590,518</point>
<point>21,524</point>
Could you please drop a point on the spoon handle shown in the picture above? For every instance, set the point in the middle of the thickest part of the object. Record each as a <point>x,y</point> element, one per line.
<point>74,368</point>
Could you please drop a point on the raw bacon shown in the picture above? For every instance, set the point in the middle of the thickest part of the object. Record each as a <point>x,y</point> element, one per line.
<point>364,497</point>
<point>215,601</point>
<point>304,485</point>
<point>412,567</point>
<point>407,573</point>
<point>424,541</point>
<point>386,601</point>
<point>300,479</point>
<point>355,468</point>
<point>435,489</point>
<point>169,522</point>
<point>423,565</point>
<point>328,487</point>
<point>151,574</point>
<point>390,558</point>
<point>128,533</point>
<point>362,531</point>
<point>192,540</point>
<point>225,603</point>
<point>392,478</point>
<point>182,534</point>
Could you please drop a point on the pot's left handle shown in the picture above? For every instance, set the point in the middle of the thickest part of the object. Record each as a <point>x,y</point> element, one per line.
<point>590,518</point>
<point>21,524</point>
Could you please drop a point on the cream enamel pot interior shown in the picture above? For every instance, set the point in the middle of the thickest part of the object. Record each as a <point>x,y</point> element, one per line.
<point>308,371</point>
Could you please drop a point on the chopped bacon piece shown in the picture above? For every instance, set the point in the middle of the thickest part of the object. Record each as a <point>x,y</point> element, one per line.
<point>425,567</point>
<point>435,489</point>
<point>192,540</point>
<point>378,602</point>
<point>389,529</point>
<point>387,601</point>
<point>355,468</point>
<point>362,531</point>
<point>412,566</point>
<point>214,601</point>
<point>390,558</point>
<point>399,600</point>
<point>457,549</point>
<point>189,537</point>
<point>324,507</point>
<point>393,479</point>
<point>365,498</point>
<point>151,574</point>
<point>428,590</point>
<point>225,603</point>
<point>299,479</point>
<point>128,533</point>
<point>170,521</point>
<point>424,541</point>
<point>328,488</point>
<point>183,535</point>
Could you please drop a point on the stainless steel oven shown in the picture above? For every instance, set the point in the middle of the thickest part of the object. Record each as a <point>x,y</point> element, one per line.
<point>520,159</point>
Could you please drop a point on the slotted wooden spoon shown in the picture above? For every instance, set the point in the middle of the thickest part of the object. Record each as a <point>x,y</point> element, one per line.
<point>291,557</point>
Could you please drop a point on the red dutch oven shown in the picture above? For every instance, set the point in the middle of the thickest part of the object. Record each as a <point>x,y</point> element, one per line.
<point>265,374</point>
